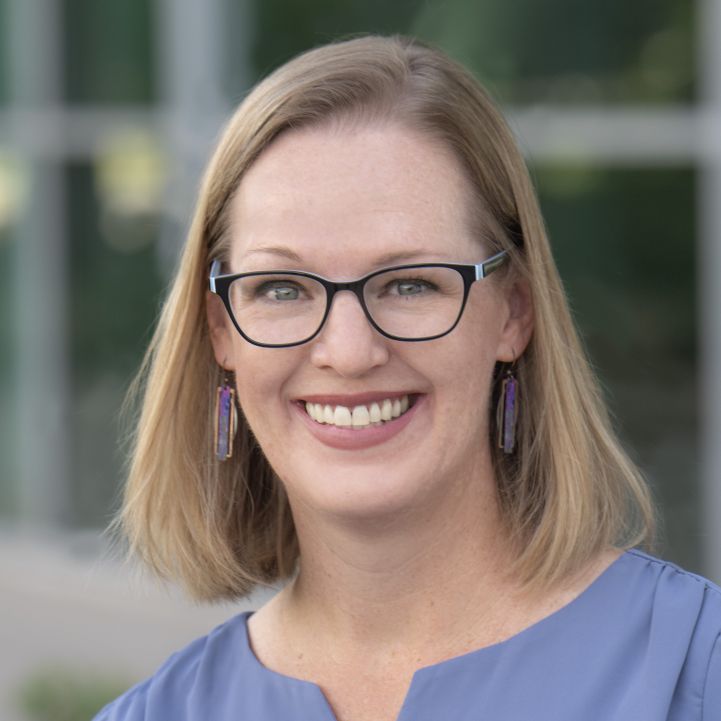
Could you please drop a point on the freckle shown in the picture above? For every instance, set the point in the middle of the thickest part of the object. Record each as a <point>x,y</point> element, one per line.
<point>300,656</point>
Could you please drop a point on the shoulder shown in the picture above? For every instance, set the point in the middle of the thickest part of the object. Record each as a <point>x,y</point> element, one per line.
<point>669,594</point>
<point>187,680</point>
<point>677,618</point>
<point>672,585</point>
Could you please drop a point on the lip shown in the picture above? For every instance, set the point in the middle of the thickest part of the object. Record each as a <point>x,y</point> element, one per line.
<point>348,439</point>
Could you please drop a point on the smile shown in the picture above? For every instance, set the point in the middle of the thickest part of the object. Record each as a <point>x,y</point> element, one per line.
<point>359,416</point>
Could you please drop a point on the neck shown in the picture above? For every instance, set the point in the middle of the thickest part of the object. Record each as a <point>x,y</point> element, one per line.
<point>405,583</point>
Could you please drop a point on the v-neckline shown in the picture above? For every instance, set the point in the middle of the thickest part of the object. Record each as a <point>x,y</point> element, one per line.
<point>424,674</point>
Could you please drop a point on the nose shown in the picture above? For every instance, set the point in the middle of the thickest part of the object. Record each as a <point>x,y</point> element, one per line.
<point>348,343</point>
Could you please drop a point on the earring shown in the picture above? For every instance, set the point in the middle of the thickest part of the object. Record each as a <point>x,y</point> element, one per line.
<point>507,411</point>
<point>226,420</point>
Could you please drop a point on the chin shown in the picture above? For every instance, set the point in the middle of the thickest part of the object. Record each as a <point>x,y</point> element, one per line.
<point>360,494</point>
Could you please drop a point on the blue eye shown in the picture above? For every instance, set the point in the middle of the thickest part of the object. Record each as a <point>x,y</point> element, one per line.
<point>411,286</point>
<point>278,291</point>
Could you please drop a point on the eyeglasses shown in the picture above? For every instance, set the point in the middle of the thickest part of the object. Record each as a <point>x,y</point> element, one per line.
<point>282,308</point>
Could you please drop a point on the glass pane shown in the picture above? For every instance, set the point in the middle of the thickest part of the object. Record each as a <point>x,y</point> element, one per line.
<point>625,244</point>
<point>115,286</point>
<point>568,51</point>
<point>108,51</point>
<point>284,29</point>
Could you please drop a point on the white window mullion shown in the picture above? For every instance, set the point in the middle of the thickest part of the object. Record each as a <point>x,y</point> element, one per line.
<point>34,38</point>
<point>709,274</point>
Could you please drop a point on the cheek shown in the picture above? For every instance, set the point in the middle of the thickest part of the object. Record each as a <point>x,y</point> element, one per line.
<point>261,375</point>
<point>470,362</point>
<point>469,382</point>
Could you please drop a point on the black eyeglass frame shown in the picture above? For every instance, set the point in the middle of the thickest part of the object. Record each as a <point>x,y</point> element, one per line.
<point>470,273</point>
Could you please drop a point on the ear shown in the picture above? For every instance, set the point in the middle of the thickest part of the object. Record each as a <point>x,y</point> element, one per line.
<point>221,332</point>
<point>518,327</point>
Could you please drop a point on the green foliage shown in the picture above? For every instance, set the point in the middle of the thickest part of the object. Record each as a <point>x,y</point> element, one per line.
<point>55,694</point>
<point>624,240</point>
<point>287,27</point>
<point>114,298</point>
<point>115,294</point>
<point>568,51</point>
<point>109,51</point>
<point>625,244</point>
<point>558,51</point>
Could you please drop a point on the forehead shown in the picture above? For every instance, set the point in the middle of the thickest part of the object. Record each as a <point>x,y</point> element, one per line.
<point>343,196</point>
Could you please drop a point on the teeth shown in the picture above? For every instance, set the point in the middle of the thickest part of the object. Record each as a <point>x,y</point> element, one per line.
<point>361,416</point>
<point>342,416</point>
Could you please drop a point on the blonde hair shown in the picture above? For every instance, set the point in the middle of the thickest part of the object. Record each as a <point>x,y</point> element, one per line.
<point>567,493</point>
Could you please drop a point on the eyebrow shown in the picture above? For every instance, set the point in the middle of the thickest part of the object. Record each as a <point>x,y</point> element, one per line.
<point>391,258</point>
<point>278,250</point>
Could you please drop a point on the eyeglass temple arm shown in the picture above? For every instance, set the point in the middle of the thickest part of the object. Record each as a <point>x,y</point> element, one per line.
<point>488,266</point>
<point>214,273</point>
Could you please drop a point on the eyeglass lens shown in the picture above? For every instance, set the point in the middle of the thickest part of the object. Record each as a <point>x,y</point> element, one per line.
<point>277,308</point>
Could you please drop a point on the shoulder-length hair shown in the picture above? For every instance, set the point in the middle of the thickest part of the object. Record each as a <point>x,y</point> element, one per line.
<point>569,490</point>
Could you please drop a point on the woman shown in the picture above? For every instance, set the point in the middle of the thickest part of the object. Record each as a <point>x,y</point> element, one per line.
<point>366,380</point>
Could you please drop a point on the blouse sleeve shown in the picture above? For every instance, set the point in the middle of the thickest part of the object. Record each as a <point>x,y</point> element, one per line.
<point>712,687</point>
<point>128,707</point>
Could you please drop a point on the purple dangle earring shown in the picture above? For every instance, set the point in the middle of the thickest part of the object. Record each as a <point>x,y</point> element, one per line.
<point>507,411</point>
<point>226,420</point>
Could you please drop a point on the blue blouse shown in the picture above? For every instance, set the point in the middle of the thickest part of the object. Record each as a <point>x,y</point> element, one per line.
<point>641,643</point>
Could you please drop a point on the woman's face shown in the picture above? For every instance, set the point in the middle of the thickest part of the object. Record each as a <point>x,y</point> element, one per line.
<point>342,203</point>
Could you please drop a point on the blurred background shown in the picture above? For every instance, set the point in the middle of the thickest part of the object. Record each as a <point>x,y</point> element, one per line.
<point>108,112</point>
